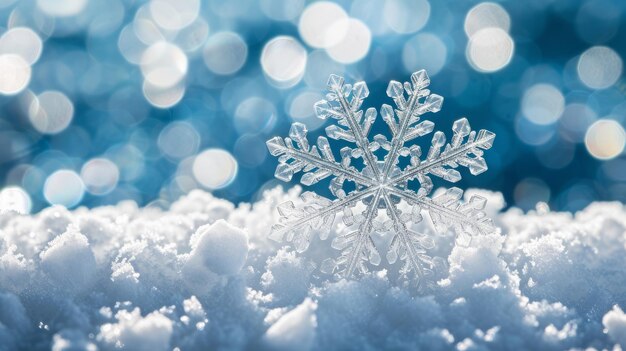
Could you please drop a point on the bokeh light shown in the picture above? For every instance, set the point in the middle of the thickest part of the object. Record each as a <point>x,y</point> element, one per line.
<point>283,59</point>
<point>280,10</point>
<point>318,24</point>
<point>163,97</point>
<point>486,15</point>
<point>605,139</point>
<point>300,109</point>
<point>599,67</point>
<point>149,100</point>
<point>64,187</point>
<point>543,104</point>
<point>178,140</point>
<point>214,168</point>
<point>174,14</point>
<point>575,120</point>
<point>100,176</point>
<point>65,8</point>
<point>406,16</point>
<point>255,115</point>
<point>51,112</point>
<point>163,64</point>
<point>15,73</point>
<point>490,49</point>
<point>426,51</point>
<point>354,44</point>
<point>225,53</point>
<point>23,42</point>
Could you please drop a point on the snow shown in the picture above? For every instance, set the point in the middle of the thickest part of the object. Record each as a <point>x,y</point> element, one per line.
<point>203,274</point>
<point>220,247</point>
<point>69,262</point>
<point>134,332</point>
<point>614,323</point>
<point>293,331</point>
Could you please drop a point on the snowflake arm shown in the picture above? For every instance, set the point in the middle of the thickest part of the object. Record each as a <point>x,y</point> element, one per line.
<point>306,158</point>
<point>446,210</point>
<point>408,246</point>
<point>357,247</point>
<point>455,153</point>
<point>316,213</point>
<point>408,112</point>
<point>337,106</point>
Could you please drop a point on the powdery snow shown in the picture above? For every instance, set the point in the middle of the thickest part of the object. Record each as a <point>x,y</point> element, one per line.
<point>294,331</point>
<point>204,275</point>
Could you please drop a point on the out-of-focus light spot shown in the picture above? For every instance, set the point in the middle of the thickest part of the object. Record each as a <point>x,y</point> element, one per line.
<point>225,53</point>
<point>529,192</point>
<point>543,104</point>
<point>179,140</point>
<point>280,10</point>
<point>490,50</point>
<point>23,42</point>
<point>64,187</point>
<point>129,44</point>
<point>255,115</point>
<point>63,8</point>
<point>15,199</point>
<point>250,150</point>
<point>319,67</point>
<point>597,21</point>
<point>599,67</point>
<point>424,51</point>
<point>51,112</point>
<point>129,159</point>
<point>532,133</point>
<point>33,179</point>
<point>486,15</point>
<point>283,60</point>
<point>605,139</point>
<point>214,168</point>
<point>318,27</point>
<point>174,14</point>
<point>163,97</point>
<point>15,73</point>
<point>104,25</point>
<point>575,120</point>
<point>192,37</point>
<point>556,155</point>
<point>100,176</point>
<point>406,16</point>
<point>369,11</point>
<point>164,64</point>
<point>300,109</point>
<point>355,43</point>
<point>146,30</point>
<point>614,169</point>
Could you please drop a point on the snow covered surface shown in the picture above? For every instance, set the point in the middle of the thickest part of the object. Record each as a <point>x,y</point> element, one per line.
<point>203,275</point>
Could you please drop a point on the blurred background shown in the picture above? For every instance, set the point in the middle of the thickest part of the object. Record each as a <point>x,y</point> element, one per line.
<point>105,100</point>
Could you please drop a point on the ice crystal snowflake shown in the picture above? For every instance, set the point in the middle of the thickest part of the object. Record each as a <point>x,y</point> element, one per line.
<point>377,197</point>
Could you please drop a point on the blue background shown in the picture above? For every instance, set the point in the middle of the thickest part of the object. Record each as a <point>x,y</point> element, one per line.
<point>114,120</point>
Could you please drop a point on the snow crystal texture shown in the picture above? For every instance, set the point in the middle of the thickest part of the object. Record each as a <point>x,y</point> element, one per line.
<point>203,275</point>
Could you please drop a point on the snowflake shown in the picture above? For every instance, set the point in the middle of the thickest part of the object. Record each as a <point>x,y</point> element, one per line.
<point>374,195</point>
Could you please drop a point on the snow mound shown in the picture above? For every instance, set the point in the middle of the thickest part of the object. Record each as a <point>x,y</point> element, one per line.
<point>203,275</point>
